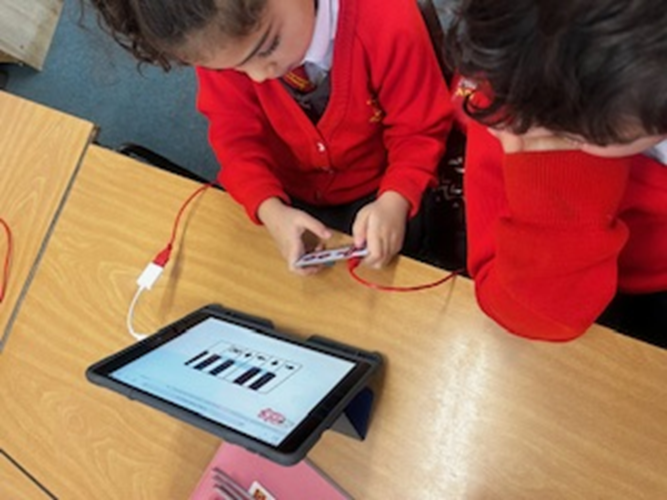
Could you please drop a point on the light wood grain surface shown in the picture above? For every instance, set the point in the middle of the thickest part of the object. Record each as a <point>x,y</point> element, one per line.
<point>464,410</point>
<point>40,152</point>
<point>16,483</point>
<point>27,28</point>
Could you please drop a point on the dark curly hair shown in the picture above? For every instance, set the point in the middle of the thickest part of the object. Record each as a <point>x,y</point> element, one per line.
<point>159,31</point>
<point>595,68</point>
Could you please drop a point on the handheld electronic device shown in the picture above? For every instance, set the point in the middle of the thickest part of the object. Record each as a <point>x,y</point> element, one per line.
<point>237,377</point>
<point>328,256</point>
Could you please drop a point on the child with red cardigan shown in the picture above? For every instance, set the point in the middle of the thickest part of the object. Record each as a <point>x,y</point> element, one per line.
<point>566,176</point>
<point>325,112</point>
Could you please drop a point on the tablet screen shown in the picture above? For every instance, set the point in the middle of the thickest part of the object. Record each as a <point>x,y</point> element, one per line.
<point>261,386</point>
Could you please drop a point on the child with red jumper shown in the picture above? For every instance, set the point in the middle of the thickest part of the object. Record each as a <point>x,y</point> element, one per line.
<point>566,183</point>
<point>311,104</point>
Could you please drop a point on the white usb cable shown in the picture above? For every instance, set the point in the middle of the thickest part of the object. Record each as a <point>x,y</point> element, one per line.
<point>145,282</point>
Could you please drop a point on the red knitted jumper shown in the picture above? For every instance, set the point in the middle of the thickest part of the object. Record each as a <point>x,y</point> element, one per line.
<point>554,235</point>
<point>384,127</point>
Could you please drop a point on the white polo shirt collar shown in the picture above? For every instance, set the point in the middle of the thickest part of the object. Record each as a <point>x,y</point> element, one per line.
<point>320,53</point>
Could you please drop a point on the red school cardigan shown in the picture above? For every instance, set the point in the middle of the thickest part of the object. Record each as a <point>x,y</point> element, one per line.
<point>552,236</point>
<point>384,128</point>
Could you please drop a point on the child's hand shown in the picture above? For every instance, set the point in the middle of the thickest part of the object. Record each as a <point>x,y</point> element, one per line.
<point>535,139</point>
<point>380,226</point>
<point>287,226</point>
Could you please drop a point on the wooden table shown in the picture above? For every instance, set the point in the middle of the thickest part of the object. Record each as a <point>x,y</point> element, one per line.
<point>26,30</point>
<point>40,153</point>
<point>464,410</point>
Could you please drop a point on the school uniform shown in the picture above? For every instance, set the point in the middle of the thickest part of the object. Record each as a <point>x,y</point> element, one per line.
<point>381,126</point>
<point>553,237</point>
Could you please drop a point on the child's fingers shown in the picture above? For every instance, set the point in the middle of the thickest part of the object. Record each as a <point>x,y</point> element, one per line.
<point>305,271</point>
<point>376,249</point>
<point>360,229</point>
<point>292,250</point>
<point>316,227</point>
<point>305,223</point>
<point>387,242</point>
<point>294,253</point>
<point>366,233</point>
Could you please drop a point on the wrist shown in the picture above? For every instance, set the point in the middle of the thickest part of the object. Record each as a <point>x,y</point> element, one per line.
<point>269,209</point>
<point>396,200</point>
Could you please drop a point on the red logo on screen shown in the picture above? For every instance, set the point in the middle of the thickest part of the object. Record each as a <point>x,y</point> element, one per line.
<point>271,416</point>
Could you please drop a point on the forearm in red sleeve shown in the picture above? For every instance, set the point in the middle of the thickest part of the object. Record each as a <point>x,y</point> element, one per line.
<point>554,266</point>
<point>241,139</point>
<point>413,94</point>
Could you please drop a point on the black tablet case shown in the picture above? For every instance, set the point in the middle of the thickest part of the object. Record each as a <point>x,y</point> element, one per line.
<point>351,416</point>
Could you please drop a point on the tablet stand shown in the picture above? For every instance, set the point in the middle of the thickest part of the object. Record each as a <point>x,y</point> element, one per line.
<point>354,420</point>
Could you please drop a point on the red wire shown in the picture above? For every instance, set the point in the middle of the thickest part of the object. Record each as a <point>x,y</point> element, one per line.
<point>162,257</point>
<point>8,258</point>
<point>353,263</point>
<point>199,190</point>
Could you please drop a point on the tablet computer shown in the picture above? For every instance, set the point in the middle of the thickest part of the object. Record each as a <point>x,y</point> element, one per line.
<point>237,377</point>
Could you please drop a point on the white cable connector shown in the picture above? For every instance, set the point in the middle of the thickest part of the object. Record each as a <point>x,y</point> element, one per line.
<point>149,276</point>
<point>154,269</point>
<point>145,282</point>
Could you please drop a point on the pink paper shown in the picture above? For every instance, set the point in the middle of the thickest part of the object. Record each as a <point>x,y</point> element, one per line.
<point>302,481</point>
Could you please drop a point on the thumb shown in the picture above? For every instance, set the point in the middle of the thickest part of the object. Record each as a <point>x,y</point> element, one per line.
<point>360,229</point>
<point>316,227</point>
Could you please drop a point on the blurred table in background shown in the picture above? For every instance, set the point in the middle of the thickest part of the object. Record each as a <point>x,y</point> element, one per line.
<point>26,30</point>
<point>40,153</point>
